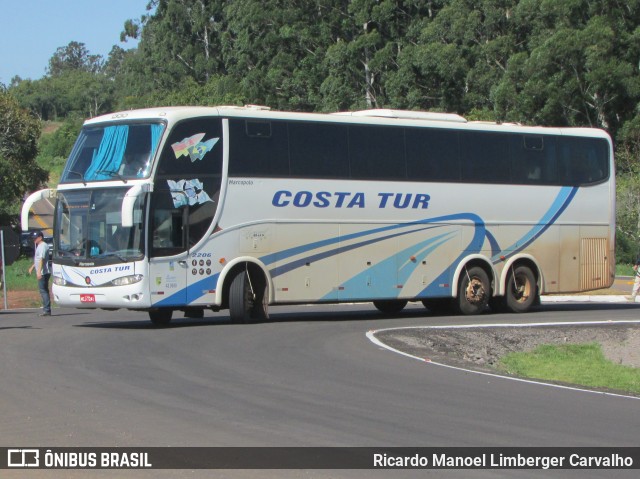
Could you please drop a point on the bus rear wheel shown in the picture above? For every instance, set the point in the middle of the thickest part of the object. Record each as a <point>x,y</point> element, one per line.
<point>248,299</point>
<point>160,316</point>
<point>390,306</point>
<point>474,291</point>
<point>521,290</point>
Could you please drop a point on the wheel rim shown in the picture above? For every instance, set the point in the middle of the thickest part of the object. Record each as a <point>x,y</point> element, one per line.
<point>521,288</point>
<point>475,292</point>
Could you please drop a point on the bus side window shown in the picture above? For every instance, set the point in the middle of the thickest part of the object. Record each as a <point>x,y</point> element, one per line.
<point>167,235</point>
<point>582,161</point>
<point>377,152</point>
<point>318,151</point>
<point>527,156</point>
<point>485,157</point>
<point>259,148</point>
<point>432,154</point>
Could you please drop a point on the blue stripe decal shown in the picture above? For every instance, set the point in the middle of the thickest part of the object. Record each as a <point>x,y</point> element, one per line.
<point>342,249</point>
<point>560,204</point>
<point>495,247</point>
<point>364,285</point>
<point>480,233</point>
<point>273,257</point>
<point>279,256</point>
<point>439,287</point>
<point>193,291</point>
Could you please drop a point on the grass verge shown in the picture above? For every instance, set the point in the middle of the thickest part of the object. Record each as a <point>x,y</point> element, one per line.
<point>624,270</point>
<point>581,364</point>
<point>18,278</point>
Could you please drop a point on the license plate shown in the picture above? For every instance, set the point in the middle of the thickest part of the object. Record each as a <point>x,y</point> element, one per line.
<point>87,298</point>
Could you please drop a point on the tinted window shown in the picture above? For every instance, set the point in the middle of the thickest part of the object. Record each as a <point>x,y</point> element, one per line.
<point>327,150</point>
<point>485,157</point>
<point>377,152</point>
<point>432,155</point>
<point>258,148</point>
<point>533,159</point>
<point>582,160</point>
<point>187,185</point>
<point>193,148</point>
<point>318,150</point>
<point>168,234</point>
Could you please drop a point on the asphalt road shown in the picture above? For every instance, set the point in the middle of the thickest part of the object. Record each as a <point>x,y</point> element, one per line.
<point>310,377</point>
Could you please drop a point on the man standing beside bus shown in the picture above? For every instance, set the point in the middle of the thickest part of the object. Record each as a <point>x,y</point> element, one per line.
<point>41,265</point>
<point>636,280</point>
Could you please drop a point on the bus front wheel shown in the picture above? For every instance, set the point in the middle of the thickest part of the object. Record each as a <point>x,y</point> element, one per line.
<point>161,316</point>
<point>248,298</point>
<point>474,291</point>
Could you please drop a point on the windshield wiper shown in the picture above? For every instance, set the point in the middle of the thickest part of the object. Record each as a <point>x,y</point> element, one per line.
<point>78,174</point>
<point>112,174</point>
<point>124,259</point>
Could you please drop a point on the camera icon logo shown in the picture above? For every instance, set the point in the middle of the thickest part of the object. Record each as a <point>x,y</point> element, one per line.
<point>23,458</point>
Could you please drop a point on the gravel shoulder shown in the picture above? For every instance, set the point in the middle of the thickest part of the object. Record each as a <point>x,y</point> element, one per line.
<point>480,349</point>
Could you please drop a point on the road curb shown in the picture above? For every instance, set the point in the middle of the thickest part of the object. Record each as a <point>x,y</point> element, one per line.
<point>587,299</point>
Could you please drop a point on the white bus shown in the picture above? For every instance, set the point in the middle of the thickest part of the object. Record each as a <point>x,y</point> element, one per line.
<point>195,208</point>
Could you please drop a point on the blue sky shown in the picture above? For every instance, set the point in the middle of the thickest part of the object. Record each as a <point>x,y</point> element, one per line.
<point>32,30</point>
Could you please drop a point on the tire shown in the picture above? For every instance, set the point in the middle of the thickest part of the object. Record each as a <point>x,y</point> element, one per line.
<point>161,316</point>
<point>262,302</point>
<point>244,307</point>
<point>390,306</point>
<point>474,291</point>
<point>194,313</point>
<point>438,305</point>
<point>521,290</point>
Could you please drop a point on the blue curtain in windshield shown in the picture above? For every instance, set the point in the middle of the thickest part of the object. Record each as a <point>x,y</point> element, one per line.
<point>156,132</point>
<point>107,160</point>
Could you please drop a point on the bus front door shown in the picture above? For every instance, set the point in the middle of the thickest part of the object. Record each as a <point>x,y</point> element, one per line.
<point>168,280</point>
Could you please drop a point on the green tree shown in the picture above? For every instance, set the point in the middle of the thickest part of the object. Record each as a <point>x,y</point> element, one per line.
<point>274,49</point>
<point>77,83</point>
<point>456,57</point>
<point>363,64</point>
<point>580,64</point>
<point>180,39</point>
<point>36,96</point>
<point>60,142</point>
<point>19,173</point>
<point>74,57</point>
<point>217,91</point>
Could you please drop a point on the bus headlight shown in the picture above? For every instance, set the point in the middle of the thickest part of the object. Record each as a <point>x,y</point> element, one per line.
<point>126,280</point>
<point>59,280</point>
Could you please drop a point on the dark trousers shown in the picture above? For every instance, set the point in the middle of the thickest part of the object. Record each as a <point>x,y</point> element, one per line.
<point>43,287</point>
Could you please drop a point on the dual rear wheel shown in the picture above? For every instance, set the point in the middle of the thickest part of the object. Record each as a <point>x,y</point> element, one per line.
<point>521,290</point>
<point>474,293</point>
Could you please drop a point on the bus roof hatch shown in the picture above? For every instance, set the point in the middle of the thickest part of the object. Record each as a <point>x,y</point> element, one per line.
<point>406,114</point>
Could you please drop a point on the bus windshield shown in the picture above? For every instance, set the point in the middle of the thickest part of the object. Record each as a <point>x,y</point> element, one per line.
<point>88,226</point>
<point>121,151</point>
